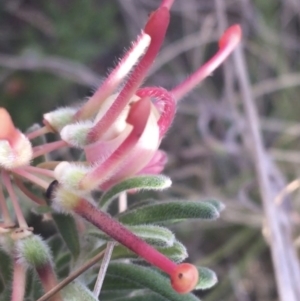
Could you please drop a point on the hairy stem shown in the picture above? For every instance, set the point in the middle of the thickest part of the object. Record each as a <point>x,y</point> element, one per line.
<point>19,282</point>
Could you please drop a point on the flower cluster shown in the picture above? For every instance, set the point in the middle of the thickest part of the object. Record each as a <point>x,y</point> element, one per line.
<point>119,130</point>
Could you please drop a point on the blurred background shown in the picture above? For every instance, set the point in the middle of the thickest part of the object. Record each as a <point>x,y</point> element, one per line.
<point>55,53</point>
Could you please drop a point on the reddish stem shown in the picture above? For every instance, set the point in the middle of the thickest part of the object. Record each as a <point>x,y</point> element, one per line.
<point>31,177</point>
<point>28,193</point>
<point>122,235</point>
<point>227,44</point>
<point>48,280</point>
<point>18,211</point>
<point>19,282</point>
<point>36,133</point>
<point>156,28</point>
<point>47,148</point>
<point>38,170</point>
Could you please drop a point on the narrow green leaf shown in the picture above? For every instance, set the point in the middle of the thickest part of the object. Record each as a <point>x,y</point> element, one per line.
<point>67,228</point>
<point>142,295</point>
<point>217,204</point>
<point>207,278</point>
<point>146,182</point>
<point>56,244</point>
<point>5,267</point>
<point>147,278</point>
<point>113,283</point>
<point>76,291</point>
<point>145,297</point>
<point>176,253</point>
<point>168,211</point>
<point>108,295</point>
<point>121,252</point>
<point>34,288</point>
<point>156,236</point>
<point>142,203</point>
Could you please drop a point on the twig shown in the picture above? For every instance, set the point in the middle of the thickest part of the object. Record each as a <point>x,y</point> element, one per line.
<point>108,251</point>
<point>291,187</point>
<point>272,85</point>
<point>71,277</point>
<point>103,268</point>
<point>284,257</point>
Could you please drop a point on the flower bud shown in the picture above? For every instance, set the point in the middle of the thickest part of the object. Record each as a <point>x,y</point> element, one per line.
<point>32,251</point>
<point>70,175</point>
<point>59,118</point>
<point>76,134</point>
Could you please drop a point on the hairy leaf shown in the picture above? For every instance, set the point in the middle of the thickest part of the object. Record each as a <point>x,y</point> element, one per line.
<point>168,211</point>
<point>147,182</point>
<point>217,204</point>
<point>77,291</point>
<point>67,228</point>
<point>207,278</point>
<point>146,278</point>
<point>176,253</point>
<point>156,236</point>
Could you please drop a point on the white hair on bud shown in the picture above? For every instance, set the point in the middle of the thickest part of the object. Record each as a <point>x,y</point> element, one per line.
<point>76,134</point>
<point>70,175</point>
<point>61,117</point>
<point>65,200</point>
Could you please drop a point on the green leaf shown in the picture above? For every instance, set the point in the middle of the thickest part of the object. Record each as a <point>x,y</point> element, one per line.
<point>217,204</point>
<point>146,278</point>
<point>34,288</point>
<point>141,295</point>
<point>113,283</point>
<point>144,297</point>
<point>76,291</point>
<point>56,244</point>
<point>5,267</point>
<point>156,236</point>
<point>67,228</point>
<point>207,278</point>
<point>115,294</point>
<point>176,253</point>
<point>147,182</point>
<point>168,211</point>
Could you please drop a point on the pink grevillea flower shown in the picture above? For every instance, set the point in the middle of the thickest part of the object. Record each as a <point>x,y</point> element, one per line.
<point>120,130</point>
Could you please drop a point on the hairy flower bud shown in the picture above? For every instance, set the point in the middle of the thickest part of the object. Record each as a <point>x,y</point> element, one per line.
<point>76,134</point>
<point>32,251</point>
<point>70,175</point>
<point>59,118</point>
